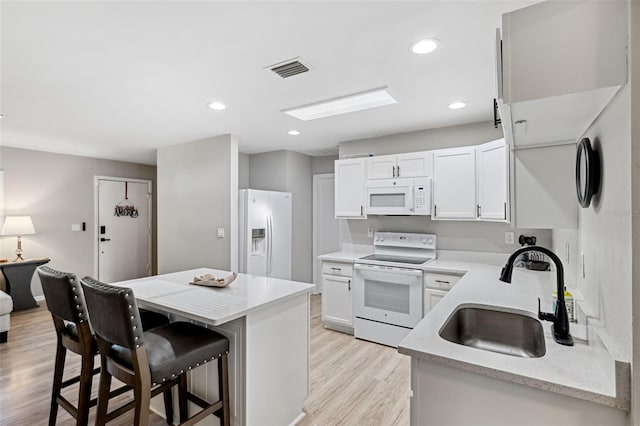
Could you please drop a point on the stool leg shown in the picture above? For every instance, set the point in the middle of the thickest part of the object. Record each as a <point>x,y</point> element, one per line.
<point>182,398</point>
<point>86,378</point>
<point>143,400</point>
<point>61,352</point>
<point>168,405</point>
<point>103,396</point>
<point>223,389</point>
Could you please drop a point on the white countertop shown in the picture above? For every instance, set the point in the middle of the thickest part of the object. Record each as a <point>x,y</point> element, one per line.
<point>575,371</point>
<point>172,293</point>
<point>585,371</point>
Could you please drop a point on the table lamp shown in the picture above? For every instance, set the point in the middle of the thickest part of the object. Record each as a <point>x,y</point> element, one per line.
<point>18,226</point>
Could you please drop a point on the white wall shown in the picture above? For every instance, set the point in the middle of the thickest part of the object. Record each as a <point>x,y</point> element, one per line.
<point>56,191</point>
<point>323,164</point>
<point>290,171</point>
<point>243,171</point>
<point>472,236</point>
<point>605,227</point>
<point>197,194</point>
<point>635,197</point>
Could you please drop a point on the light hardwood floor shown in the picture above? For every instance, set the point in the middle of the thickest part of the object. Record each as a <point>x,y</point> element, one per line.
<point>353,382</point>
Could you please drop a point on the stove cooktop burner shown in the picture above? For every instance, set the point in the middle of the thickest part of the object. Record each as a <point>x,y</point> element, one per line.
<point>397,259</point>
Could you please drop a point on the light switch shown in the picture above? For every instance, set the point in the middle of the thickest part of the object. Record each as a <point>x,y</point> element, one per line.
<point>76,227</point>
<point>220,232</point>
<point>370,232</point>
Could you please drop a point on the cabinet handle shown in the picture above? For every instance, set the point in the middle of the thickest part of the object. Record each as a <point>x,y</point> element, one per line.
<point>398,170</point>
<point>443,282</point>
<point>361,210</point>
<point>477,210</point>
<point>349,282</point>
<point>393,168</point>
<point>336,269</point>
<point>435,210</point>
<point>505,211</point>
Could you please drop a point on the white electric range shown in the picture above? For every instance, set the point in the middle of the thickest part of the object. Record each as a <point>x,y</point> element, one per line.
<point>388,286</point>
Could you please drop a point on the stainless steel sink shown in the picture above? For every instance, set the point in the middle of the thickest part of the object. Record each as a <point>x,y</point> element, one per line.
<point>495,330</point>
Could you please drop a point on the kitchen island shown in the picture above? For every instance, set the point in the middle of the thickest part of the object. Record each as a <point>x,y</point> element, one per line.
<point>267,323</point>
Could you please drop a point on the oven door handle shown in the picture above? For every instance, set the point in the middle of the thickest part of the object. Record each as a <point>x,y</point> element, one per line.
<point>399,271</point>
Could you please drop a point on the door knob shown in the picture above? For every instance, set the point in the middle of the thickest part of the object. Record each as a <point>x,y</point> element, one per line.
<point>105,239</point>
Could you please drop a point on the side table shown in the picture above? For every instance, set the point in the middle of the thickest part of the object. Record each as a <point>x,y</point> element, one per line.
<point>17,276</point>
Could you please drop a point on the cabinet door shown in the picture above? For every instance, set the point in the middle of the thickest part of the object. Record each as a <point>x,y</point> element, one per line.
<point>414,164</point>
<point>336,300</point>
<point>381,167</point>
<point>454,183</point>
<point>493,187</point>
<point>431,299</point>
<point>349,194</point>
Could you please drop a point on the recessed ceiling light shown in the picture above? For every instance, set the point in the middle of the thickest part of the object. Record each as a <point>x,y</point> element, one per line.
<point>427,45</point>
<point>457,105</point>
<point>218,106</point>
<point>294,132</point>
<point>345,104</point>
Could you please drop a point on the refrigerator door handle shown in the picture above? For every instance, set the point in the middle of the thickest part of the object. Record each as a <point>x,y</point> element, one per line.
<point>269,243</point>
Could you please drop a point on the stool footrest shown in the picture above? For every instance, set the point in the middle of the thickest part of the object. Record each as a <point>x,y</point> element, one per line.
<point>208,409</point>
<point>76,379</point>
<point>128,406</point>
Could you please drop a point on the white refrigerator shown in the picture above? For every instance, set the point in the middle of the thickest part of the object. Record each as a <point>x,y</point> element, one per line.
<point>265,233</point>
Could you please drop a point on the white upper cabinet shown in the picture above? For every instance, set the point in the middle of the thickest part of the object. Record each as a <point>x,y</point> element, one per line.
<point>381,167</point>
<point>558,65</point>
<point>349,194</point>
<point>413,164</point>
<point>454,183</point>
<point>493,186</point>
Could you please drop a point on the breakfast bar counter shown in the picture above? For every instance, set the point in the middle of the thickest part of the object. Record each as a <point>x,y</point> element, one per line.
<point>267,323</point>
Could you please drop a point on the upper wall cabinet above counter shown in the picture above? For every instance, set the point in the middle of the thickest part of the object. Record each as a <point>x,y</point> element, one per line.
<point>558,66</point>
<point>413,164</point>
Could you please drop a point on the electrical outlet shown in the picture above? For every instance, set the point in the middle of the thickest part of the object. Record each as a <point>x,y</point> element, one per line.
<point>220,232</point>
<point>370,232</point>
<point>76,227</point>
<point>509,237</point>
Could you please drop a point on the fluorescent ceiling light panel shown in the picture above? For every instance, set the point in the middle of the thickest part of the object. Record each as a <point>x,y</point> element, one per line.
<point>343,105</point>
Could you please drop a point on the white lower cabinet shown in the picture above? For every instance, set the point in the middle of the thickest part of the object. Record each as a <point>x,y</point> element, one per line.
<point>337,310</point>
<point>436,287</point>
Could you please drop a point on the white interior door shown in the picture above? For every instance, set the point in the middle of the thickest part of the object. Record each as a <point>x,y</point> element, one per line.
<point>326,230</point>
<point>124,242</point>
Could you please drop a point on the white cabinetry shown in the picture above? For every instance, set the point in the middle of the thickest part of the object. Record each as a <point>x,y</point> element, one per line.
<point>472,183</point>
<point>413,164</point>
<point>454,183</point>
<point>337,311</point>
<point>559,64</point>
<point>349,194</point>
<point>493,182</point>
<point>545,187</point>
<point>436,287</point>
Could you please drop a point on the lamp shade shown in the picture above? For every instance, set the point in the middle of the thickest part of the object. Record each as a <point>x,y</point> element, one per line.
<point>18,225</point>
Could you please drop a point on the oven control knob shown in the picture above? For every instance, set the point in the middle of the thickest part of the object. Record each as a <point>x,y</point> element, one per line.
<point>381,238</point>
<point>424,241</point>
<point>430,241</point>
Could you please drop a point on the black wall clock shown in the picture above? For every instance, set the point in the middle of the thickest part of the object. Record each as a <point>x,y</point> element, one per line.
<point>587,172</point>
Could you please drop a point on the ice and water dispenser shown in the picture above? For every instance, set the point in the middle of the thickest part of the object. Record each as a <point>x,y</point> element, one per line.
<point>258,242</point>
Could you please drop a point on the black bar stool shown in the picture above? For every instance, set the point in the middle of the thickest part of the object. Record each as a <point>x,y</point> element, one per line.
<point>65,301</point>
<point>154,360</point>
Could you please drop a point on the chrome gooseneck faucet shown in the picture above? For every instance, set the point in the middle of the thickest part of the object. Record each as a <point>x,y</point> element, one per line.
<point>560,319</point>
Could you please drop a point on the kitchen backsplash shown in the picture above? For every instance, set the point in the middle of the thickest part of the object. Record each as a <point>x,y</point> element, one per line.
<point>467,236</point>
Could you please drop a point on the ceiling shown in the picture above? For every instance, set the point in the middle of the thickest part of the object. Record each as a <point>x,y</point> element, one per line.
<point>118,80</point>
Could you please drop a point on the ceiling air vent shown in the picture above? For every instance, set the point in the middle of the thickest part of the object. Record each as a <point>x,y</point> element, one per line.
<point>290,68</point>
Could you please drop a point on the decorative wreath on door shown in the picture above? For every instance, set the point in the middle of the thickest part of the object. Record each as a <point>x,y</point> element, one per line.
<point>126,207</point>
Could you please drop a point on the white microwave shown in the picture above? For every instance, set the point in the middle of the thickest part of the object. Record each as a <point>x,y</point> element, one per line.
<point>398,196</point>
